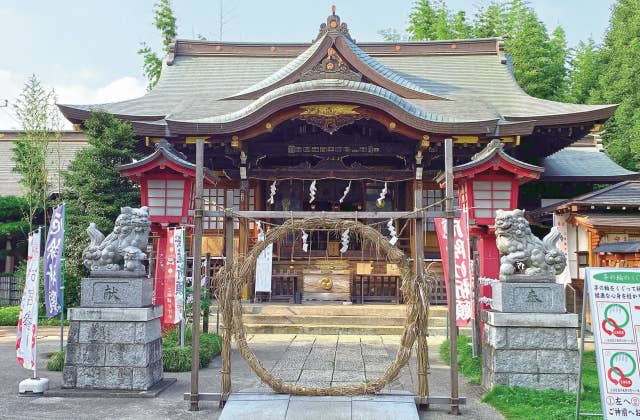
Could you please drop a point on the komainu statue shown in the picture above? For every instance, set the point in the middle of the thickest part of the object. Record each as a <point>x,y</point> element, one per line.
<point>523,253</point>
<point>122,249</point>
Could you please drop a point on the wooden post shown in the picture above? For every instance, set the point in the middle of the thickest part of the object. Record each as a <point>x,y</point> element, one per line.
<point>207,282</point>
<point>423,349</point>
<point>225,380</point>
<point>197,254</point>
<point>453,332</point>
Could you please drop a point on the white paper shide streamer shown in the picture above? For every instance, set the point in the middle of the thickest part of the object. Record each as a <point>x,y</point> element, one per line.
<point>260,231</point>
<point>312,191</point>
<point>346,191</point>
<point>392,232</point>
<point>305,244</point>
<point>383,195</point>
<point>272,193</point>
<point>344,241</point>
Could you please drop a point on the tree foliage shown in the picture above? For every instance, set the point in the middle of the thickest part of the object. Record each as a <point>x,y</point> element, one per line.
<point>165,22</point>
<point>584,72</point>
<point>538,58</point>
<point>618,63</point>
<point>36,110</point>
<point>94,189</point>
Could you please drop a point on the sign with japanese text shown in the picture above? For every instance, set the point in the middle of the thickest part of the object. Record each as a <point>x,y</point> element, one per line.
<point>615,312</point>
<point>53,250</point>
<point>463,274</point>
<point>174,274</point>
<point>28,319</point>
<point>560,221</point>
<point>264,265</point>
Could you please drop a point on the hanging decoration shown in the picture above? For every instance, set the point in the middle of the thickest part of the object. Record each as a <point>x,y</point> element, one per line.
<point>392,232</point>
<point>272,193</point>
<point>345,241</point>
<point>312,191</point>
<point>305,244</point>
<point>383,195</point>
<point>346,191</point>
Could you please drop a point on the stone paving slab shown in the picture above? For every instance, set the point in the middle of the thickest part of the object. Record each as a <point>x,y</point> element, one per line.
<point>285,407</point>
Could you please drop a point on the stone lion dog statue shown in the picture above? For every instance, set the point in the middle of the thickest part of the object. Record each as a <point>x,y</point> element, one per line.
<point>523,253</point>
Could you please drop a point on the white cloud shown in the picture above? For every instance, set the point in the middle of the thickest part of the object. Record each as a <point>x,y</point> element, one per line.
<point>81,92</point>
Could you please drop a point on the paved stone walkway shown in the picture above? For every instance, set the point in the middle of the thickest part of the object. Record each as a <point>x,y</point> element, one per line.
<point>302,359</point>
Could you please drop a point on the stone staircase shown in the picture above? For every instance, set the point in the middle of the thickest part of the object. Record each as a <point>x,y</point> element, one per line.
<point>368,319</point>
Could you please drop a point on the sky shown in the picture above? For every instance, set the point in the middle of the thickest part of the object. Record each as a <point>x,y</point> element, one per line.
<point>86,49</point>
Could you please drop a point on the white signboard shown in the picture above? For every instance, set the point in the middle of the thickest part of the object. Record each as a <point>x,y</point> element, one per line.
<point>615,311</point>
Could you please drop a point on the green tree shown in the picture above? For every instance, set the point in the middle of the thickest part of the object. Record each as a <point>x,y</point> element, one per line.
<point>165,22</point>
<point>619,83</point>
<point>432,20</point>
<point>94,189</point>
<point>584,72</point>
<point>36,110</point>
<point>13,231</point>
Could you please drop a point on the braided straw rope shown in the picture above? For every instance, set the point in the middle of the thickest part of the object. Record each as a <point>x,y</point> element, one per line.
<point>232,278</point>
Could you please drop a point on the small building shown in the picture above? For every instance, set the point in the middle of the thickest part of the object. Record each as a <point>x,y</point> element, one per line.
<point>602,229</point>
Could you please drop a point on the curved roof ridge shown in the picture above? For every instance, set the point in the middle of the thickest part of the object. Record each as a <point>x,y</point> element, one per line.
<point>326,84</point>
<point>384,71</point>
<point>295,65</point>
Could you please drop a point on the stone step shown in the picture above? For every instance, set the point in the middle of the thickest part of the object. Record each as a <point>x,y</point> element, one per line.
<point>340,330</point>
<point>333,309</point>
<point>334,320</point>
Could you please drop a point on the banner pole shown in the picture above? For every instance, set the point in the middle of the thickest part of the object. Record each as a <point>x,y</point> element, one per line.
<point>62,267</point>
<point>35,339</point>
<point>583,322</point>
<point>453,334</point>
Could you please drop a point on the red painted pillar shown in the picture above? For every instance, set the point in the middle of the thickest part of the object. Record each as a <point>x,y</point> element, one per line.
<point>489,260</point>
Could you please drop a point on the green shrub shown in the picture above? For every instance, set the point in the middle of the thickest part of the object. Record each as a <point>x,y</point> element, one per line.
<point>468,365</point>
<point>178,359</point>
<point>56,361</point>
<point>9,315</point>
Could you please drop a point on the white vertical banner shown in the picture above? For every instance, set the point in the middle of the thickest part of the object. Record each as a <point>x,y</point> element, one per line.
<point>264,265</point>
<point>560,221</point>
<point>179,257</point>
<point>28,321</point>
<point>614,294</point>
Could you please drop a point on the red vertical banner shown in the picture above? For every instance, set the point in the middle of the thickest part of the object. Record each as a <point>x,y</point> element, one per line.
<point>463,275</point>
<point>170,279</point>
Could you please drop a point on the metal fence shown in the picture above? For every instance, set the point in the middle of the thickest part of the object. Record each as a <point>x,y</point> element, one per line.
<point>9,291</point>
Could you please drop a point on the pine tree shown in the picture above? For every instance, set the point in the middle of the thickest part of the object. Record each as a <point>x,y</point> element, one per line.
<point>165,22</point>
<point>94,189</point>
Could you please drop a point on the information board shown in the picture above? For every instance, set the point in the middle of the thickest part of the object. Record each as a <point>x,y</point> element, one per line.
<point>614,294</point>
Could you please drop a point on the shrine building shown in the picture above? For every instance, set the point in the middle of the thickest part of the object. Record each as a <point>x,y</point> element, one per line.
<point>340,126</point>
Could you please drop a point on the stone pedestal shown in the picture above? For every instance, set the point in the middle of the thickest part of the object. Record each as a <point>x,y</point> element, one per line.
<point>533,350</point>
<point>114,338</point>
<point>528,297</point>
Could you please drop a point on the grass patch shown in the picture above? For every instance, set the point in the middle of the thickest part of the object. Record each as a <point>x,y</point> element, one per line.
<point>178,359</point>
<point>523,403</point>
<point>9,315</point>
<point>56,361</point>
<point>469,366</point>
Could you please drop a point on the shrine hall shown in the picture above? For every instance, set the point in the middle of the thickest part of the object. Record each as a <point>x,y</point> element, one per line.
<point>339,126</point>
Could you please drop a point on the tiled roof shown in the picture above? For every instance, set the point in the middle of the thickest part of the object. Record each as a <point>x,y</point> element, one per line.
<point>460,81</point>
<point>573,164</point>
<point>610,220</point>
<point>625,193</point>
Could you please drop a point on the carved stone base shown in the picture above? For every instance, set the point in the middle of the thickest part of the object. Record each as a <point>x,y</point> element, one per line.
<point>116,292</point>
<point>528,297</point>
<point>532,350</point>
<point>113,348</point>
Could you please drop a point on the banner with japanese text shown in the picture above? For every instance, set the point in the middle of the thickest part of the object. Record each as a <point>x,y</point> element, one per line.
<point>174,275</point>
<point>264,265</point>
<point>463,274</point>
<point>28,319</point>
<point>614,295</point>
<point>53,254</point>
<point>561,222</point>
